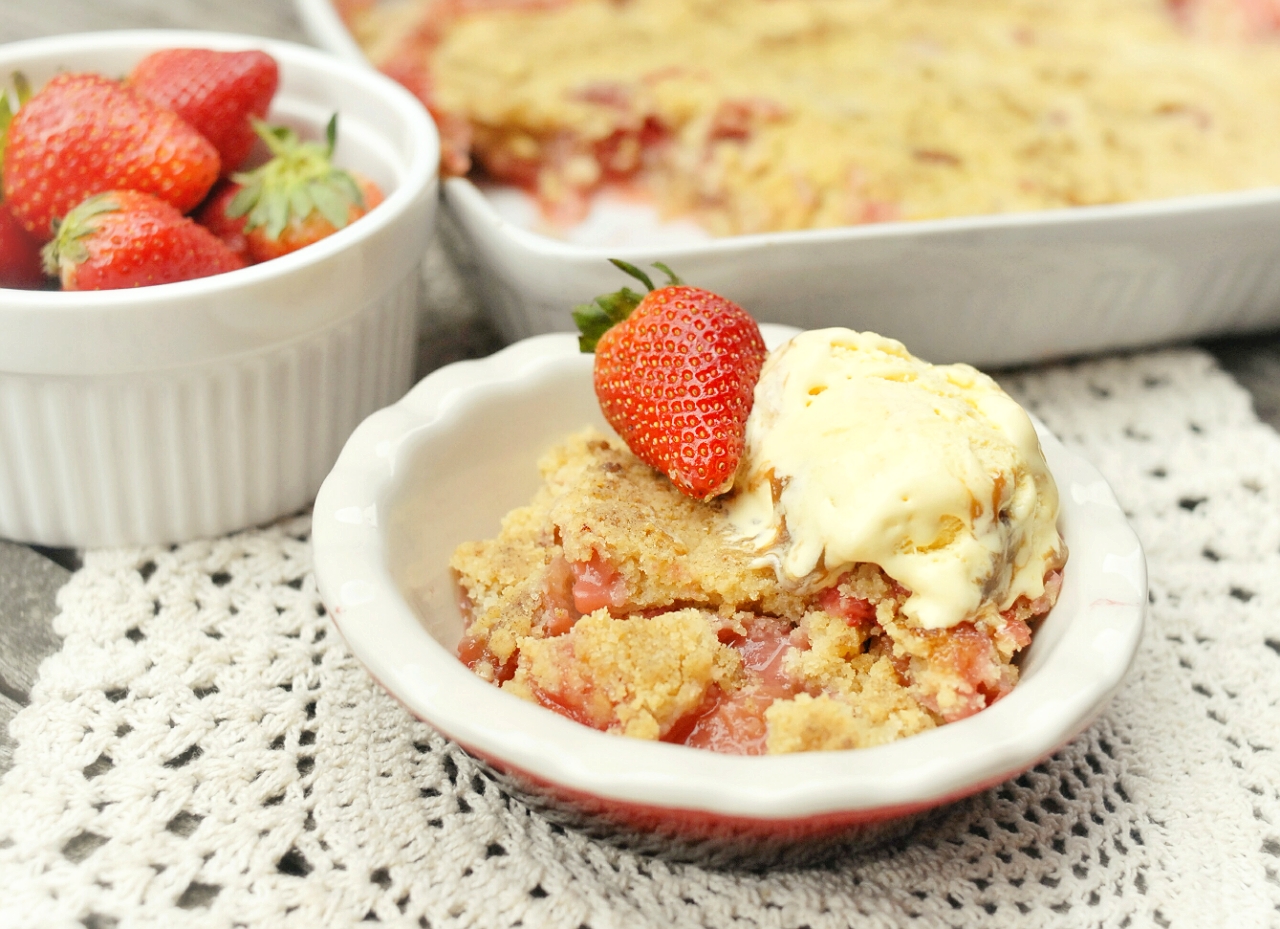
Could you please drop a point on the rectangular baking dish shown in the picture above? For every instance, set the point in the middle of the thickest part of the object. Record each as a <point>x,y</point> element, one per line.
<point>989,290</point>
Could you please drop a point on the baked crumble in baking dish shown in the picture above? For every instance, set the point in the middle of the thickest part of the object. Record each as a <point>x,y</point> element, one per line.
<point>756,115</point>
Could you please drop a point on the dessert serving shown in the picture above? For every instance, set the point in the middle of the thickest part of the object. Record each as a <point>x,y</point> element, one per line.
<point>759,115</point>
<point>834,547</point>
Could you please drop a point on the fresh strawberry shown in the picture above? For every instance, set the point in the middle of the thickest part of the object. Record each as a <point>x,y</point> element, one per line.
<point>213,216</point>
<point>217,93</point>
<point>298,197</point>
<point>19,256</point>
<point>124,238</point>
<point>675,371</point>
<point>84,134</point>
<point>11,100</point>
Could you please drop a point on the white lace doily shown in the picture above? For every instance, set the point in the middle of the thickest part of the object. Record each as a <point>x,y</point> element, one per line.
<point>204,752</point>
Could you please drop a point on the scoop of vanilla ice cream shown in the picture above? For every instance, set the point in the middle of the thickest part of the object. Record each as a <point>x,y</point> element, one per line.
<point>857,451</point>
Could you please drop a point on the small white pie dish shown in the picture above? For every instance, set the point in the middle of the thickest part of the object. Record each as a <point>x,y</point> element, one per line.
<point>445,463</point>
<point>164,413</point>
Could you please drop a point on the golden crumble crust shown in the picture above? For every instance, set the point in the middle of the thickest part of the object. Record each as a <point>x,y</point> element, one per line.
<point>668,547</point>
<point>883,712</point>
<point>637,676</point>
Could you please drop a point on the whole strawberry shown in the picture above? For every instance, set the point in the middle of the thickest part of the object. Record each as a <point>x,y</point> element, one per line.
<point>675,371</point>
<point>217,93</point>
<point>124,238</point>
<point>299,196</point>
<point>83,134</point>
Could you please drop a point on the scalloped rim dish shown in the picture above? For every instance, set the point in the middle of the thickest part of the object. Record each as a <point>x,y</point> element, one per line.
<point>398,480</point>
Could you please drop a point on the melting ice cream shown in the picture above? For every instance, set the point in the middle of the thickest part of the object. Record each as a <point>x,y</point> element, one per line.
<point>857,451</point>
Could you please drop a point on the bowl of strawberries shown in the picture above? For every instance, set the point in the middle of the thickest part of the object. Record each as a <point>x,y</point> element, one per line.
<point>210,252</point>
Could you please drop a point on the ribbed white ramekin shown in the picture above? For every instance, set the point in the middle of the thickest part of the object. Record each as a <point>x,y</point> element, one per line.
<point>194,409</point>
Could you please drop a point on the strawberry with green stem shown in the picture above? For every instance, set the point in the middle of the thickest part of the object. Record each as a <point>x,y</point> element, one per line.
<point>20,264</point>
<point>125,238</point>
<point>296,198</point>
<point>84,134</point>
<point>675,373</point>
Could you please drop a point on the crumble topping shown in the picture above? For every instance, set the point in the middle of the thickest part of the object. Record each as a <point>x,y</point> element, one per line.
<point>759,115</point>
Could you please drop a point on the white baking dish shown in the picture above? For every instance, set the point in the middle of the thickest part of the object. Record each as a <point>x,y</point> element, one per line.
<point>192,409</point>
<point>990,290</point>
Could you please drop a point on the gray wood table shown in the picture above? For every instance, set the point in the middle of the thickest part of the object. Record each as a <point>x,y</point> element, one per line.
<point>30,578</point>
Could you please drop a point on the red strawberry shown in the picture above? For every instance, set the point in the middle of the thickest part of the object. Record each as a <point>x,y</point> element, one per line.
<point>675,372</point>
<point>298,197</point>
<point>83,134</point>
<point>217,93</point>
<point>124,238</point>
<point>230,229</point>
<point>19,256</point>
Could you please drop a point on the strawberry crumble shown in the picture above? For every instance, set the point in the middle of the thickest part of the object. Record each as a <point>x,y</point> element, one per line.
<point>620,602</point>
<point>760,115</point>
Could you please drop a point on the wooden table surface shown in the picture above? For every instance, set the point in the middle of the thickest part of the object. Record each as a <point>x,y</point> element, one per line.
<point>30,579</point>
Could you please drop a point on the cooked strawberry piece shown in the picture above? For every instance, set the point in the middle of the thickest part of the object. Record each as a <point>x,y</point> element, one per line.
<point>763,649</point>
<point>1254,19</point>
<point>1019,632</point>
<point>596,584</point>
<point>854,610</point>
<point>969,654</point>
<point>735,119</point>
<point>475,654</point>
<point>878,211</point>
<point>1044,603</point>
<point>734,723</point>
<point>558,612</point>
<point>573,705</point>
<point>84,134</point>
<point>217,93</point>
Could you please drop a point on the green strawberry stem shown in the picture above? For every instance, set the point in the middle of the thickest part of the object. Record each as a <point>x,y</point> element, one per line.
<point>596,318</point>
<point>298,180</point>
<point>70,232</point>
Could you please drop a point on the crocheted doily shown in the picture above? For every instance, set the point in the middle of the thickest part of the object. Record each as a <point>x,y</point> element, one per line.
<point>202,751</point>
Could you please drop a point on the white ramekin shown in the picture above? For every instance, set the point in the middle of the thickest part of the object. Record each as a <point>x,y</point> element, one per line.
<point>445,464</point>
<point>193,409</point>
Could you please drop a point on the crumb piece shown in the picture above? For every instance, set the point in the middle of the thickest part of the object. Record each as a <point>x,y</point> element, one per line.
<point>637,676</point>
<point>884,711</point>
